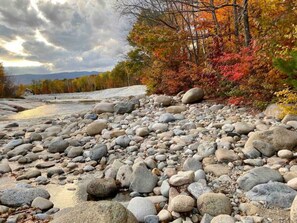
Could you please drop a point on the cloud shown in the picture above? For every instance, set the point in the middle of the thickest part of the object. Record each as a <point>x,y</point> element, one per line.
<point>74,35</point>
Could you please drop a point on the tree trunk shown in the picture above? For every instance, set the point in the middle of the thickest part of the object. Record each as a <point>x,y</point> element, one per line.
<point>247,32</point>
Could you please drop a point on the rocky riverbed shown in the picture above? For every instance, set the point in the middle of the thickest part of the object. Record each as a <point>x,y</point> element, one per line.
<point>150,159</point>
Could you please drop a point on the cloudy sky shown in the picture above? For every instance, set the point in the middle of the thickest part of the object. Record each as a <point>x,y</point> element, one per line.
<point>45,36</point>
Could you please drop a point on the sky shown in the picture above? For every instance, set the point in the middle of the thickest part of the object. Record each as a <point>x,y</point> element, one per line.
<point>48,36</point>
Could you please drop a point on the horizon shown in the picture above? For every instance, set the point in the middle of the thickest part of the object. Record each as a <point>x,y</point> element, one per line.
<point>45,36</point>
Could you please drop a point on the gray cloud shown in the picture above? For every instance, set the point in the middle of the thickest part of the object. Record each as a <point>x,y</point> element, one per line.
<point>83,34</point>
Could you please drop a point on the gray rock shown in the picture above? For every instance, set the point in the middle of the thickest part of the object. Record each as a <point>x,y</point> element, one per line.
<point>124,107</point>
<point>54,171</point>
<point>96,127</point>
<point>102,211</point>
<point>102,188</point>
<point>141,207</point>
<point>104,108</point>
<point>263,147</point>
<point>74,152</point>
<point>259,175</point>
<point>98,152</point>
<point>274,194</point>
<point>160,127</point>
<point>45,165</point>
<point>244,128</point>
<point>289,117</point>
<point>151,219</point>
<point>58,146</point>
<point>198,188</point>
<point>192,164</point>
<point>214,204</point>
<point>123,141</point>
<point>35,137</point>
<point>165,187</point>
<point>124,175</point>
<point>206,218</point>
<point>30,174</point>
<point>143,181</point>
<point>20,196</point>
<point>163,100</point>
<point>193,95</point>
<point>274,111</point>
<point>12,144</point>
<point>5,168</point>
<point>29,158</point>
<point>167,117</point>
<point>206,149</point>
<point>42,203</point>
<point>20,150</point>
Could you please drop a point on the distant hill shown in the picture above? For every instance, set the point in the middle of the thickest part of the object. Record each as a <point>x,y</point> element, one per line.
<point>28,78</point>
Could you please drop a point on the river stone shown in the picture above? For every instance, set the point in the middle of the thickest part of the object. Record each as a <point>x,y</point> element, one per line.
<point>35,137</point>
<point>176,109</point>
<point>143,131</point>
<point>93,212</point>
<point>293,212</point>
<point>206,149</point>
<point>124,107</point>
<point>160,127</point>
<point>141,207</point>
<point>54,171</point>
<point>45,165</point>
<point>58,146</point>
<point>102,188</point>
<point>165,187</point>
<point>20,150</point>
<point>198,188</point>
<point>192,164</point>
<point>5,168</point>
<point>20,196</point>
<point>289,117</point>
<point>124,175</point>
<point>226,156</point>
<point>217,169</point>
<point>243,128</point>
<point>223,218</point>
<point>258,175</point>
<point>273,110</point>
<point>96,127</point>
<point>293,183</point>
<point>167,117</point>
<point>163,100</point>
<point>263,147</point>
<point>293,124</point>
<point>42,203</point>
<point>285,154</point>
<point>123,141</point>
<point>12,144</point>
<point>214,204</point>
<point>98,151</point>
<point>75,151</point>
<point>143,180</point>
<point>274,194</point>
<point>193,95</point>
<point>182,203</point>
<point>182,178</point>
<point>30,174</point>
<point>104,108</point>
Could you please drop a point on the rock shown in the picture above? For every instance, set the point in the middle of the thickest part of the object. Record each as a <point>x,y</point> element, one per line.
<point>258,175</point>
<point>98,151</point>
<point>104,108</point>
<point>223,219</point>
<point>289,117</point>
<point>273,111</point>
<point>11,125</point>
<point>30,174</point>
<point>217,169</point>
<point>91,116</point>
<point>124,175</point>
<point>12,144</point>
<point>20,196</point>
<point>75,151</point>
<point>160,127</point>
<point>165,187</point>
<point>182,178</point>
<point>263,147</point>
<point>285,154</point>
<point>192,164</point>
<point>198,188</point>
<point>176,109</point>
<point>274,194</point>
<point>243,128</point>
<point>214,204</point>
<point>141,207</point>
<point>102,211</point>
<point>102,188</point>
<point>45,165</point>
<point>5,168</point>
<point>143,131</point>
<point>193,95</point>
<point>143,181</point>
<point>206,218</point>
<point>54,171</point>
<point>96,127</point>
<point>293,212</point>
<point>42,204</point>
<point>164,215</point>
<point>124,107</point>
<point>123,141</point>
<point>35,137</point>
<point>226,156</point>
<point>167,117</point>
<point>206,149</point>
<point>151,219</point>
<point>228,127</point>
<point>293,183</point>
<point>20,150</point>
<point>163,100</point>
<point>293,124</point>
<point>58,146</point>
<point>3,209</point>
<point>182,203</point>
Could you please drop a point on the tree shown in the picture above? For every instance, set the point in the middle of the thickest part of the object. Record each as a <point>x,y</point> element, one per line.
<point>7,88</point>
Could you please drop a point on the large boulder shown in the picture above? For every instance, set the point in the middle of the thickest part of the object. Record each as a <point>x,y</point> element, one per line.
<point>104,108</point>
<point>259,175</point>
<point>96,127</point>
<point>94,212</point>
<point>193,95</point>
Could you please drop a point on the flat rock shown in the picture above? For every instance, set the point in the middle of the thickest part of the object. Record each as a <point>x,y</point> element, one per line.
<point>217,169</point>
<point>258,175</point>
<point>182,178</point>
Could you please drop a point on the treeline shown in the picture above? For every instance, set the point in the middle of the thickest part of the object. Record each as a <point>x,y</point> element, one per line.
<point>124,74</point>
<point>7,87</point>
<point>225,46</point>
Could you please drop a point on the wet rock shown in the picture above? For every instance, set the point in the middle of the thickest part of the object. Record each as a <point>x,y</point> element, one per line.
<point>104,108</point>
<point>102,211</point>
<point>102,188</point>
<point>58,146</point>
<point>193,95</point>
<point>96,127</point>
<point>20,196</point>
<point>143,181</point>
<point>42,204</point>
<point>214,204</point>
<point>259,175</point>
<point>274,194</point>
<point>98,152</point>
<point>141,207</point>
<point>182,203</point>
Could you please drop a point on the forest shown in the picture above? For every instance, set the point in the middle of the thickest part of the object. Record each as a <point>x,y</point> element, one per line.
<point>243,51</point>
